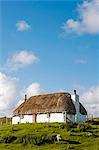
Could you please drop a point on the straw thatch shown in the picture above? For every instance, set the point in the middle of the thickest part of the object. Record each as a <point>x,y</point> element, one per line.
<point>57,102</point>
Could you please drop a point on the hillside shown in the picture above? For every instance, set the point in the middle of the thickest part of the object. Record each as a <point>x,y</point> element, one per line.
<point>43,136</point>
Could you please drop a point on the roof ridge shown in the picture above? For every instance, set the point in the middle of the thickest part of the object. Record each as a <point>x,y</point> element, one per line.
<point>45,94</point>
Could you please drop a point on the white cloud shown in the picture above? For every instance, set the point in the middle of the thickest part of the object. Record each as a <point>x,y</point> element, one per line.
<point>8,87</point>
<point>8,90</point>
<point>87,22</point>
<point>24,57</point>
<point>20,59</point>
<point>22,25</point>
<point>32,90</point>
<point>81,61</point>
<point>90,99</point>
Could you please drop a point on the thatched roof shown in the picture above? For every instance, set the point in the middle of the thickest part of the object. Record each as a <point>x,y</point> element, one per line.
<point>57,102</point>
<point>82,109</point>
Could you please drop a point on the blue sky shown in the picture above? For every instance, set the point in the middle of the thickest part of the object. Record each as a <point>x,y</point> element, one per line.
<point>67,59</point>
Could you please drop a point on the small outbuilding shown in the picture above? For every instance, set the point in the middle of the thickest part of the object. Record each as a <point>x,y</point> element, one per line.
<point>56,107</point>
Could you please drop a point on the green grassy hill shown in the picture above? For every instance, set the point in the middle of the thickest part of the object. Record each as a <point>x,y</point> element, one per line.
<point>43,136</point>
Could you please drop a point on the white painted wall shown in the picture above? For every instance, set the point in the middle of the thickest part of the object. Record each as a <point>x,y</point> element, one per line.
<point>78,117</point>
<point>27,119</point>
<point>15,120</point>
<point>82,118</point>
<point>42,118</point>
<point>75,99</point>
<point>54,117</point>
<point>57,117</point>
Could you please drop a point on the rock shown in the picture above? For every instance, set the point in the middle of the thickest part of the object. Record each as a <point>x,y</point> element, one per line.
<point>90,134</point>
<point>58,137</point>
<point>10,139</point>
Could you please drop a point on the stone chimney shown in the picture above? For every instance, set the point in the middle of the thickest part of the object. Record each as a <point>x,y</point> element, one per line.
<point>75,96</point>
<point>75,99</point>
<point>25,97</point>
<point>74,91</point>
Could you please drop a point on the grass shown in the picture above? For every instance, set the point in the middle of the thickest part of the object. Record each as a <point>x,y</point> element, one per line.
<point>42,136</point>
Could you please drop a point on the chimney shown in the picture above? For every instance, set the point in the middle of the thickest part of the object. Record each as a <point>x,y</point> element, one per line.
<point>25,97</point>
<point>75,98</point>
<point>75,92</point>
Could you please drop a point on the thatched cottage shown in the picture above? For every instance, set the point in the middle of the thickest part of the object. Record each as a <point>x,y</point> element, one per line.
<point>56,107</point>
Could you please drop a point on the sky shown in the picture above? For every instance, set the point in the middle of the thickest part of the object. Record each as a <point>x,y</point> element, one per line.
<point>46,47</point>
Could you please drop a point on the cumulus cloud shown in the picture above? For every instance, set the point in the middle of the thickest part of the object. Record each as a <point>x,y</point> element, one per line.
<point>8,87</point>
<point>81,61</point>
<point>90,98</point>
<point>87,22</point>
<point>20,59</point>
<point>22,25</point>
<point>8,90</point>
<point>32,90</point>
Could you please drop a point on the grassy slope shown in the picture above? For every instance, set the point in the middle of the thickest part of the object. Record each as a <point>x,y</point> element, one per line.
<point>86,143</point>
